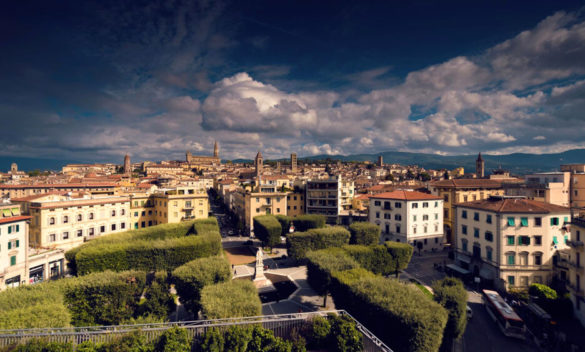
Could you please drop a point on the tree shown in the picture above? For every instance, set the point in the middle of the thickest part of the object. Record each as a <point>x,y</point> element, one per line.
<point>389,177</point>
<point>424,176</point>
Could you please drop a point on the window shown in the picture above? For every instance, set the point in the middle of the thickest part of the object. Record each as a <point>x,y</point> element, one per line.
<point>488,218</point>
<point>397,228</point>
<point>464,229</point>
<point>436,204</point>
<point>489,236</point>
<point>414,218</point>
<point>377,203</point>
<point>476,216</point>
<point>12,260</point>
<point>414,205</point>
<point>79,233</point>
<point>90,216</point>
<point>425,217</point>
<point>52,237</point>
<point>464,245</point>
<point>537,240</point>
<point>425,231</point>
<point>475,232</point>
<point>136,225</point>
<point>538,221</point>
<point>65,235</point>
<point>414,230</point>
<point>150,223</point>
<point>446,197</point>
<point>102,229</point>
<point>397,217</point>
<point>524,258</point>
<point>150,212</point>
<point>65,219</point>
<point>397,205</point>
<point>510,240</point>
<point>524,222</point>
<point>387,205</point>
<point>554,221</point>
<point>143,224</point>
<point>524,240</point>
<point>123,212</point>
<point>143,213</point>
<point>446,213</point>
<point>278,210</point>
<point>79,217</point>
<point>437,216</point>
<point>425,204</point>
<point>537,259</point>
<point>51,221</point>
<point>377,215</point>
<point>135,214</point>
<point>511,221</point>
<point>511,258</point>
<point>123,225</point>
<point>113,227</point>
<point>464,214</point>
<point>488,252</point>
<point>387,216</point>
<point>511,281</point>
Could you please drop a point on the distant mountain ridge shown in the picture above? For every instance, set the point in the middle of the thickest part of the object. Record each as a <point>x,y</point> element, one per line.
<point>516,163</point>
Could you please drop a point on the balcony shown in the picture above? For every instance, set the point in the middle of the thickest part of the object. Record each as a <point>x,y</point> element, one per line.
<point>575,244</point>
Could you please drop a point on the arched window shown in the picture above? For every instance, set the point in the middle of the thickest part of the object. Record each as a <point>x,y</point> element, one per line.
<point>523,256</point>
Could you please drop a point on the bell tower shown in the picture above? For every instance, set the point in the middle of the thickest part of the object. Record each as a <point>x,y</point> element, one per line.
<point>479,167</point>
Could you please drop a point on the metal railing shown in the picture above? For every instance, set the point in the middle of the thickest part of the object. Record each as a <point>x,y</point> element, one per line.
<point>281,324</point>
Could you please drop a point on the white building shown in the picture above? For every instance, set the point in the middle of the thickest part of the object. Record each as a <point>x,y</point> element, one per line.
<point>13,246</point>
<point>509,240</point>
<point>409,216</point>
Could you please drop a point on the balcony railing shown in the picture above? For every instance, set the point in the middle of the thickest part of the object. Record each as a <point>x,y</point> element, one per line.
<point>575,244</point>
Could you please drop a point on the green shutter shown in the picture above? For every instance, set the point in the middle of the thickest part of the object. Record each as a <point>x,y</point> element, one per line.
<point>566,239</point>
<point>566,219</point>
<point>554,221</point>
<point>13,260</point>
<point>524,222</point>
<point>18,243</point>
<point>555,240</point>
<point>511,221</point>
<point>9,229</point>
<point>510,240</point>
<point>17,228</point>
<point>511,260</point>
<point>9,245</point>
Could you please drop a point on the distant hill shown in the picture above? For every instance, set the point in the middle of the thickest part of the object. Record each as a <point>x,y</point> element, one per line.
<point>28,164</point>
<point>517,163</point>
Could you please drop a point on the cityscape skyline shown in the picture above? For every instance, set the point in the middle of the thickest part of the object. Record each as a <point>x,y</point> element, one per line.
<point>156,80</point>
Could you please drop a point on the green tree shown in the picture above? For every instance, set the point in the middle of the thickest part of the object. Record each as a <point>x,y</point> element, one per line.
<point>174,339</point>
<point>344,336</point>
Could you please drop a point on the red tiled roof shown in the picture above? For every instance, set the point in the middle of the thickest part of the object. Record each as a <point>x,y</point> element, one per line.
<point>406,195</point>
<point>14,219</point>
<point>467,183</point>
<point>61,185</point>
<point>37,196</point>
<point>514,205</point>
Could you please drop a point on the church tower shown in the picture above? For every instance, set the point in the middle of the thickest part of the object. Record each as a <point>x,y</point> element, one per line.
<point>215,150</point>
<point>127,165</point>
<point>259,162</point>
<point>479,167</point>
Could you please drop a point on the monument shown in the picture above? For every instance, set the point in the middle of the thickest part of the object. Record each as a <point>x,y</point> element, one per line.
<point>262,283</point>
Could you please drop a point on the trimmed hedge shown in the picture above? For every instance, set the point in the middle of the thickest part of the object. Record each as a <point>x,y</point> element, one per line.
<point>375,258</point>
<point>285,222</point>
<point>451,294</point>
<point>299,243</point>
<point>267,229</point>
<point>322,263</point>
<point>232,299</point>
<point>308,221</point>
<point>400,314</point>
<point>105,298</point>
<point>190,278</point>
<point>159,302</point>
<point>364,233</point>
<point>401,253</point>
<point>163,248</point>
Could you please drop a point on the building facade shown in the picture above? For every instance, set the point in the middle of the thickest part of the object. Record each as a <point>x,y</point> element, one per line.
<point>13,246</point>
<point>576,280</point>
<point>548,187</point>
<point>329,197</point>
<point>409,217</point>
<point>509,241</point>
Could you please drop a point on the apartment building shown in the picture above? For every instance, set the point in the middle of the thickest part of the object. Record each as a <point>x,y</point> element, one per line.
<point>13,246</point>
<point>509,241</point>
<point>142,213</point>
<point>295,203</point>
<point>410,217</point>
<point>460,191</point>
<point>247,205</point>
<point>576,279</point>
<point>180,204</point>
<point>18,191</point>
<point>66,221</point>
<point>548,187</point>
<point>576,187</point>
<point>329,197</point>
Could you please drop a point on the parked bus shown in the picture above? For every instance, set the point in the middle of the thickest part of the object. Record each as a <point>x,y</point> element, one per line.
<point>506,318</point>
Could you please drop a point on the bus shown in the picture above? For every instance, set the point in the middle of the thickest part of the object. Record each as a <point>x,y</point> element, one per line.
<point>506,318</point>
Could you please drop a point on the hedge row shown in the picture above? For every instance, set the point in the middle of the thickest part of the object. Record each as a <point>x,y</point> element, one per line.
<point>148,250</point>
<point>452,295</point>
<point>364,233</point>
<point>307,222</point>
<point>98,299</point>
<point>299,243</point>
<point>268,230</point>
<point>190,278</point>
<point>285,222</point>
<point>398,313</point>
<point>384,259</point>
<point>231,299</point>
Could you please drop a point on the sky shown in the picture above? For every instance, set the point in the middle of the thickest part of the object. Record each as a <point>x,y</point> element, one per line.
<point>94,80</point>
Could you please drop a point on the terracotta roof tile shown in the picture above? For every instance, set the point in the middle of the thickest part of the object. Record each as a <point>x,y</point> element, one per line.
<point>14,219</point>
<point>514,205</point>
<point>406,195</point>
<point>467,183</point>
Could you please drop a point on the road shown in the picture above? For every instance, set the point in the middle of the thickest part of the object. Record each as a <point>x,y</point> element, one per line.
<point>482,333</point>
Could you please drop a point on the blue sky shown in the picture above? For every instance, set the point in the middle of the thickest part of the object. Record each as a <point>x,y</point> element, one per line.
<point>96,80</point>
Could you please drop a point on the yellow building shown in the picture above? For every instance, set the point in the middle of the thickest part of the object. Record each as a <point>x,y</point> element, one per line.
<point>295,204</point>
<point>247,205</point>
<point>460,191</point>
<point>142,210</point>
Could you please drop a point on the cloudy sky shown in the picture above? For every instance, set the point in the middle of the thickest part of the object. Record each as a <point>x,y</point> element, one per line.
<point>92,81</point>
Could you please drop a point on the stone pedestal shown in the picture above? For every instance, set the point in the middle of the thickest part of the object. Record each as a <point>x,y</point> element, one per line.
<point>262,283</point>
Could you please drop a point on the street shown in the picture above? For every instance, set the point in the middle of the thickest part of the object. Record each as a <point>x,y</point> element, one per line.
<point>482,333</point>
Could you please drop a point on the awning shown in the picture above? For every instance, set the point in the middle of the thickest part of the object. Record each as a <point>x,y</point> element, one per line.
<point>15,211</point>
<point>464,259</point>
<point>6,212</point>
<point>458,269</point>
